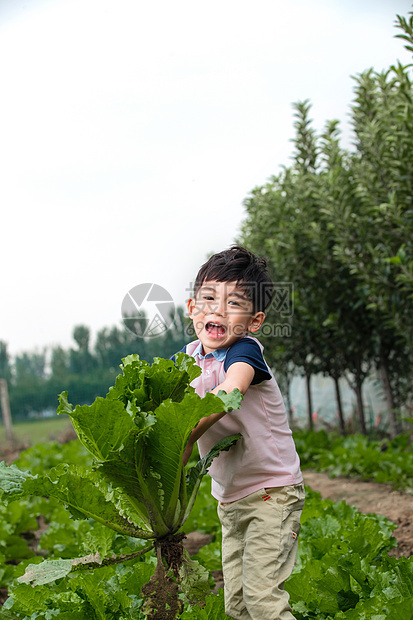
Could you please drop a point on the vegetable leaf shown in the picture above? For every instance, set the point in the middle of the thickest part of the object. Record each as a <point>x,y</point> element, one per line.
<point>39,574</point>
<point>101,427</point>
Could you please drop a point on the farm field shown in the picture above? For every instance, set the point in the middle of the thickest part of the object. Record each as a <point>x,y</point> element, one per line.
<point>94,528</point>
<point>36,431</point>
<point>368,497</point>
<point>62,537</point>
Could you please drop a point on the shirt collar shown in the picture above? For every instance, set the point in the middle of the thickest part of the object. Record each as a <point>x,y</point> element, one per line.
<point>219,354</point>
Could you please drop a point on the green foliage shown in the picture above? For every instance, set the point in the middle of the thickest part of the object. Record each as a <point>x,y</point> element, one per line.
<point>137,436</point>
<point>136,487</point>
<point>343,570</point>
<point>85,372</point>
<point>44,456</point>
<point>14,520</point>
<point>384,461</point>
<point>109,593</point>
<point>214,609</point>
<point>18,519</point>
<point>204,518</point>
<point>338,226</point>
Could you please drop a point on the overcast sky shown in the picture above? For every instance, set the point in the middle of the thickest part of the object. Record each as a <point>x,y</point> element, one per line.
<point>131,132</point>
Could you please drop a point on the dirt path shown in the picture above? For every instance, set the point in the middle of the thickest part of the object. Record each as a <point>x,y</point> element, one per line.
<point>370,497</point>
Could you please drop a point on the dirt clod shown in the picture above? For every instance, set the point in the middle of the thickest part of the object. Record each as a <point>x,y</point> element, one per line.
<point>161,591</point>
<point>161,596</point>
<point>172,550</point>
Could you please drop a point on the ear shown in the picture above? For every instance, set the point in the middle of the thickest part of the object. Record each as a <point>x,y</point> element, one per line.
<point>256,321</point>
<point>190,306</point>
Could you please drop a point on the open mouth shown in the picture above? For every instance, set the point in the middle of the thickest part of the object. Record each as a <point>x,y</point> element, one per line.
<point>215,330</point>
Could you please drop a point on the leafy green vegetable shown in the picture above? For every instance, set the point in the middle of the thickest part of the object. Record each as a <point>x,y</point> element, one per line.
<point>344,571</point>
<point>137,486</point>
<point>49,571</point>
<point>107,594</point>
<point>342,565</point>
<point>213,610</point>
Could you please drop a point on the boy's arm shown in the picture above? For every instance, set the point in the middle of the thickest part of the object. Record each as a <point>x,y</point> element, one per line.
<point>239,375</point>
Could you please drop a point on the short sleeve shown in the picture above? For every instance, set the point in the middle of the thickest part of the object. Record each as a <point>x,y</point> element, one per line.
<point>249,351</point>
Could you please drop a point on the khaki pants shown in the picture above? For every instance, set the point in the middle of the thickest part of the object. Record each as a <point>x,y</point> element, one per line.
<point>259,547</point>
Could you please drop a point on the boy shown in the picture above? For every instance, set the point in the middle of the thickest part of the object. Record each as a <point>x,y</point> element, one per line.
<point>258,482</point>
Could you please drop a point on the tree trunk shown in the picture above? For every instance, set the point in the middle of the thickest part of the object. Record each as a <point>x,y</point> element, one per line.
<point>309,402</point>
<point>5,409</point>
<point>339,407</point>
<point>360,406</point>
<point>394,423</point>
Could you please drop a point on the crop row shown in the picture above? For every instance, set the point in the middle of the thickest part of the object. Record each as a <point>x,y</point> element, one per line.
<point>343,570</point>
<point>386,461</point>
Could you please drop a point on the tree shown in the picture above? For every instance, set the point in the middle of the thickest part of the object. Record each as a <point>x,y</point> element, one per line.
<point>30,365</point>
<point>112,344</point>
<point>296,220</point>
<point>373,219</point>
<point>5,366</point>
<point>59,363</point>
<point>81,360</point>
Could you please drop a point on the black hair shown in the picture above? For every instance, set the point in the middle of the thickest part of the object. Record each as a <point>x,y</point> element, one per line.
<point>237,264</point>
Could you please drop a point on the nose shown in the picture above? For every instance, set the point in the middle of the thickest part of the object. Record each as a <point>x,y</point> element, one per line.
<point>220,307</point>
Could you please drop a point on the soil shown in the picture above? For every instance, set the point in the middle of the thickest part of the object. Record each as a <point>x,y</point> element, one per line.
<point>161,592</point>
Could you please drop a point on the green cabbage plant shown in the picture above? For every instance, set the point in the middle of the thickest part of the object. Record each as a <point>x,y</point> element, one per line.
<point>138,485</point>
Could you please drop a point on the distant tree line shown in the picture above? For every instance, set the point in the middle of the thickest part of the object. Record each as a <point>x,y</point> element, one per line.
<point>338,226</point>
<point>36,378</point>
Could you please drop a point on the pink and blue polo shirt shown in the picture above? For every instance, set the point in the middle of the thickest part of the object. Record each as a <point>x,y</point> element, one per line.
<point>265,456</point>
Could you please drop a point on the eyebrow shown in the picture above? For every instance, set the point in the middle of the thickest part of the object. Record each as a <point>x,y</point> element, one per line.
<point>209,287</point>
<point>239,295</point>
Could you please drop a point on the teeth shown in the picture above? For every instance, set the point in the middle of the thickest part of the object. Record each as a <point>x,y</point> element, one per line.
<point>220,328</point>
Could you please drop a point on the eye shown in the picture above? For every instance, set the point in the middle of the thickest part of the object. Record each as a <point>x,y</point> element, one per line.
<point>207,297</point>
<point>234,303</point>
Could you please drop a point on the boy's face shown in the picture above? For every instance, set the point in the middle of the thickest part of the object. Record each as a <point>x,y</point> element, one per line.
<point>222,314</point>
